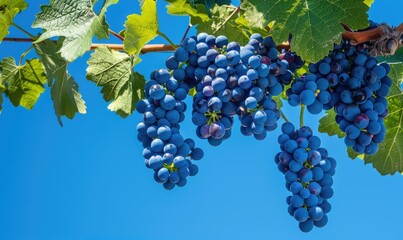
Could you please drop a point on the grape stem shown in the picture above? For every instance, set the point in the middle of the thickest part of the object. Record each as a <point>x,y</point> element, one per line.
<point>301,116</point>
<point>24,31</point>
<point>24,54</point>
<point>167,38</point>
<point>186,32</point>
<point>282,115</point>
<point>116,34</point>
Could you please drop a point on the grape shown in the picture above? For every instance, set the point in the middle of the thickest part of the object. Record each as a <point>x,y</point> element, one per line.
<point>165,149</point>
<point>350,81</point>
<point>308,171</point>
<point>232,80</point>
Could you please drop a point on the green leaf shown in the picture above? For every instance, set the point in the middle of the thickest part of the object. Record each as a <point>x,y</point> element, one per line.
<point>389,158</point>
<point>314,25</point>
<point>67,101</point>
<point>328,124</point>
<point>396,58</point>
<point>197,12</point>
<point>8,10</point>
<point>237,27</point>
<point>24,83</point>
<point>140,29</point>
<point>254,19</point>
<point>210,3</point>
<point>74,20</point>
<point>100,26</point>
<point>114,72</point>
<point>2,88</point>
<point>369,2</point>
<point>219,24</point>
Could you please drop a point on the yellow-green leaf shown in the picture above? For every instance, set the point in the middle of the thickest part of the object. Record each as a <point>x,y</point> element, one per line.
<point>8,10</point>
<point>197,12</point>
<point>369,2</point>
<point>140,29</point>
<point>24,83</point>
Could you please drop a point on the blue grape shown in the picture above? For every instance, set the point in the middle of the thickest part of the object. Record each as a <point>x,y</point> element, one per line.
<point>308,172</point>
<point>358,86</point>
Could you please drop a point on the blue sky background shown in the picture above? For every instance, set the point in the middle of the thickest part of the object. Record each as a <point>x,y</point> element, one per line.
<point>87,180</point>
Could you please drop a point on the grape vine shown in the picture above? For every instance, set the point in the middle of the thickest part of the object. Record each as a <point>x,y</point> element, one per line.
<point>232,69</point>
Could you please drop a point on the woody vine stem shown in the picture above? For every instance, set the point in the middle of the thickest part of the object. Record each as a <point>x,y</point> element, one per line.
<point>355,37</point>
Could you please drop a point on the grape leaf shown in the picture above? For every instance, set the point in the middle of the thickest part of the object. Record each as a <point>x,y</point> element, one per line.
<point>314,25</point>
<point>369,2</point>
<point>197,12</point>
<point>67,101</point>
<point>395,58</point>
<point>2,88</point>
<point>328,124</point>
<point>100,26</point>
<point>219,25</point>
<point>389,158</point>
<point>140,29</point>
<point>24,83</point>
<point>235,26</point>
<point>74,20</point>
<point>8,10</point>
<point>120,84</point>
<point>210,3</point>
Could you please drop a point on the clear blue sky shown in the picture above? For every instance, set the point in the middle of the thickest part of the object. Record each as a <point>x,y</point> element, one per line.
<point>87,180</point>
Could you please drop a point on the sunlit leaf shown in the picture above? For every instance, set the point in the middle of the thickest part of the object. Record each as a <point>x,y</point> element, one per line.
<point>74,20</point>
<point>140,29</point>
<point>113,71</point>
<point>24,83</point>
<point>8,10</point>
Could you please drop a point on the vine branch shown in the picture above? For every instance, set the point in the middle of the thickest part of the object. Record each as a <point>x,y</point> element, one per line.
<point>356,37</point>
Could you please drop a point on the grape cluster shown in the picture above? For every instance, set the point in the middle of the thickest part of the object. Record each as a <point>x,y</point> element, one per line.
<point>308,173</point>
<point>233,80</point>
<point>165,149</point>
<point>351,82</point>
